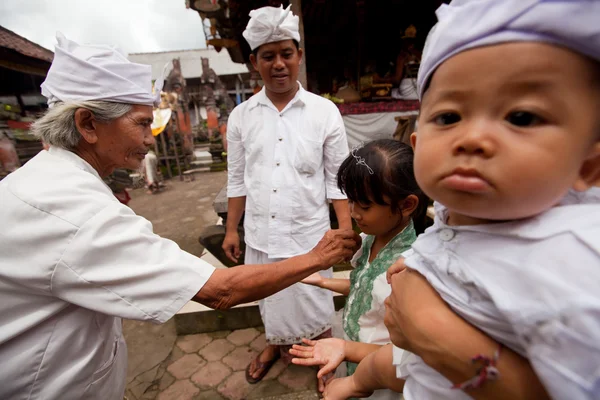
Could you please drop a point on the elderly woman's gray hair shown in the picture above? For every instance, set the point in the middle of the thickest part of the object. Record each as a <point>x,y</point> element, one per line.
<point>57,127</point>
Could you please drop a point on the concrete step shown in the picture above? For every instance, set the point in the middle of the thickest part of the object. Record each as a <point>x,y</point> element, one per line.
<point>201,163</point>
<point>202,146</point>
<point>196,318</point>
<point>202,155</point>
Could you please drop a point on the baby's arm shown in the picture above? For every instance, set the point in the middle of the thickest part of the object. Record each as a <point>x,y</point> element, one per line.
<point>375,371</point>
<point>334,284</point>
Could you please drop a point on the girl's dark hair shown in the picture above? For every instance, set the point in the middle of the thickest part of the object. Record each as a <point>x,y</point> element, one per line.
<point>393,177</point>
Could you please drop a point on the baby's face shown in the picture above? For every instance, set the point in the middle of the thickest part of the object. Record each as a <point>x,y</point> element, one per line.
<point>506,130</point>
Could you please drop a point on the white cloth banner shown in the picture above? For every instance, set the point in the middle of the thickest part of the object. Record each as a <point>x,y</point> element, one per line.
<point>366,127</point>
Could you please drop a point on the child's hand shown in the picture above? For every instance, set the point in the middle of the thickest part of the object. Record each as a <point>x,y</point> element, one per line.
<point>396,267</point>
<point>324,381</point>
<point>315,279</point>
<point>328,353</point>
<point>342,389</point>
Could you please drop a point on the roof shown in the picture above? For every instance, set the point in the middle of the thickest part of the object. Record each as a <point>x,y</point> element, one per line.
<point>191,63</point>
<point>11,40</point>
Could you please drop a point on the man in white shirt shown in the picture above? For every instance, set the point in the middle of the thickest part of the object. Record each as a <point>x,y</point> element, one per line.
<point>284,149</point>
<point>74,260</point>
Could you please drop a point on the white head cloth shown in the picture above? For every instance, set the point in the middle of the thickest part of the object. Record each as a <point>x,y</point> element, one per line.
<point>271,24</point>
<point>465,24</point>
<point>97,72</point>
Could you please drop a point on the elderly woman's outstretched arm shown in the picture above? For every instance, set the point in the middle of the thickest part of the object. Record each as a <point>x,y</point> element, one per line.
<point>229,287</point>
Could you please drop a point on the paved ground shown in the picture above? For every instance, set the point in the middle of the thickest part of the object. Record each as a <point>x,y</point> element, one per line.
<point>203,366</point>
<point>183,209</point>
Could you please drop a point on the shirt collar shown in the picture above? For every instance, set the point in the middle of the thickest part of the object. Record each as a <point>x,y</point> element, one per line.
<point>261,98</point>
<point>73,159</point>
<point>559,219</point>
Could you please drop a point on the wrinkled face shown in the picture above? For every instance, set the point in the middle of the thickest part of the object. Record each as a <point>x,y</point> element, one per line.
<point>278,64</point>
<point>375,219</point>
<point>506,130</point>
<point>124,142</point>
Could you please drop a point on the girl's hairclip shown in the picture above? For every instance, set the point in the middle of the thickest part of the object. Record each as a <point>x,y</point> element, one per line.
<point>360,160</point>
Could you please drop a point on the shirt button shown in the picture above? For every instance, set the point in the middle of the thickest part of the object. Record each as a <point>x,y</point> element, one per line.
<point>446,234</point>
<point>278,164</point>
<point>280,139</point>
<point>272,216</point>
<point>274,190</point>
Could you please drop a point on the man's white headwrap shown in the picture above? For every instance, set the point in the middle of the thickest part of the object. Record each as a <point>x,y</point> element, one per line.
<point>97,72</point>
<point>271,24</point>
<point>465,24</point>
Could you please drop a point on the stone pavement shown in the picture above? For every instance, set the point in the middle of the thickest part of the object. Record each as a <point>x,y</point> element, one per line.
<point>212,366</point>
<point>206,366</point>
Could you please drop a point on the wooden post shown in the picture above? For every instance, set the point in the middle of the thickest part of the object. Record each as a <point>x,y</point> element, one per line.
<point>21,104</point>
<point>197,111</point>
<point>174,144</point>
<point>164,146</point>
<point>156,149</point>
<point>297,10</point>
<point>243,87</point>
<point>238,95</point>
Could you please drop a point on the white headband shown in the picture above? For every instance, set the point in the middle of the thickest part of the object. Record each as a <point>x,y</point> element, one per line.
<point>98,72</point>
<point>465,24</point>
<point>271,24</point>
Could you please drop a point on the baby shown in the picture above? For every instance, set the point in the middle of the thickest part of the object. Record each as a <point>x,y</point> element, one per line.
<point>508,144</point>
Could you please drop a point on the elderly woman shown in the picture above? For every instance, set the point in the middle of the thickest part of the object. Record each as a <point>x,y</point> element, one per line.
<point>75,261</point>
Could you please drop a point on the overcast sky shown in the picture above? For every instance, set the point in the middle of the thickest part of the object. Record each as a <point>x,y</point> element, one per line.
<point>137,26</point>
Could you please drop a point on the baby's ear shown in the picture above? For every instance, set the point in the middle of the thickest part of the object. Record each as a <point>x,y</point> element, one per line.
<point>413,140</point>
<point>589,174</point>
<point>409,204</point>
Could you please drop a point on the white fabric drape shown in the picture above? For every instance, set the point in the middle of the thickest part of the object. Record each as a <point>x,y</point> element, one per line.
<point>366,127</point>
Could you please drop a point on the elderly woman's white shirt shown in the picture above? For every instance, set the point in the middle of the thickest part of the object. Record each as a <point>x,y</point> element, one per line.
<point>74,262</point>
<point>533,285</point>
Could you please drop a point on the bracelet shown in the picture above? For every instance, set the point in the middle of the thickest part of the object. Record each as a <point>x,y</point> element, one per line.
<point>486,372</point>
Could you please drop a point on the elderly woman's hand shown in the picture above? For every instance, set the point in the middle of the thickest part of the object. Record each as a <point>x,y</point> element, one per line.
<point>414,312</point>
<point>336,246</point>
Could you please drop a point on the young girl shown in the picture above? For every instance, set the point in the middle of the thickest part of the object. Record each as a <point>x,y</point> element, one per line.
<point>510,151</point>
<point>384,199</point>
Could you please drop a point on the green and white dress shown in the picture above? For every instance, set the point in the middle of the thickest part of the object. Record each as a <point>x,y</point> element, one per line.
<point>364,311</point>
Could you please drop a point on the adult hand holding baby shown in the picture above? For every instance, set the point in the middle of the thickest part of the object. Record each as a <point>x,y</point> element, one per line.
<point>396,267</point>
<point>415,313</point>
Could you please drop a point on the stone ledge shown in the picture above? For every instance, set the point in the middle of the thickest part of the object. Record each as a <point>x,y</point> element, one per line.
<point>196,318</point>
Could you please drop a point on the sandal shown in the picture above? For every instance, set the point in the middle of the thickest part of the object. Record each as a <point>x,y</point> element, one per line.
<point>260,365</point>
